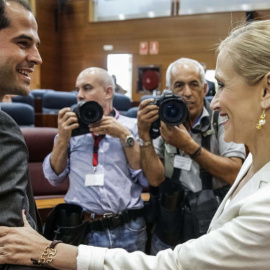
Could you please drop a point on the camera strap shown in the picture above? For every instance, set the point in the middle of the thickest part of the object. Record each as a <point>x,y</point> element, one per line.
<point>170,185</point>
<point>205,176</point>
<point>97,139</point>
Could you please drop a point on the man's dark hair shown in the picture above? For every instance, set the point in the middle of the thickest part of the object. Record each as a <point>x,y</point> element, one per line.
<point>4,20</point>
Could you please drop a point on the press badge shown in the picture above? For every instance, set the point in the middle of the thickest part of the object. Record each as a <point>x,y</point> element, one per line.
<point>96,178</point>
<point>183,163</point>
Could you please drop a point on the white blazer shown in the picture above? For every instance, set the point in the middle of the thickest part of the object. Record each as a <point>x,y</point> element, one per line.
<point>238,237</point>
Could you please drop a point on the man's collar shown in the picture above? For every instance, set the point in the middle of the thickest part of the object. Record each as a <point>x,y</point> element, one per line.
<point>112,113</point>
<point>203,122</point>
<point>115,113</point>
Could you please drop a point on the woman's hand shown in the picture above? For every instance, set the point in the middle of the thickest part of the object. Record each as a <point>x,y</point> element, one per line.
<point>19,244</point>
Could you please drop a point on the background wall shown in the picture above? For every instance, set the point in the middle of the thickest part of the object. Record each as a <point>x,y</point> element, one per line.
<point>50,48</point>
<point>78,44</point>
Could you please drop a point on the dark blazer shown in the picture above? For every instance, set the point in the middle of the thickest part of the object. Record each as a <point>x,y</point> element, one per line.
<point>15,189</point>
<point>211,88</point>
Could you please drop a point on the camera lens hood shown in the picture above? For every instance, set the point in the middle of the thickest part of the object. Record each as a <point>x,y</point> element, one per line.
<point>173,111</point>
<point>90,112</point>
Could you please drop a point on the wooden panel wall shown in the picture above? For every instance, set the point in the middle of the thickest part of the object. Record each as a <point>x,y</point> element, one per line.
<point>81,43</point>
<point>50,48</point>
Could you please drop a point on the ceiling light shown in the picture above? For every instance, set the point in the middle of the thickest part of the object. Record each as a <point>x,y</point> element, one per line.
<point>151,14</point>
<point>121,16</point>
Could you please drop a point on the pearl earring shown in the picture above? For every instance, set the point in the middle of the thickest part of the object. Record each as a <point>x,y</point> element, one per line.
<point>262,120</point>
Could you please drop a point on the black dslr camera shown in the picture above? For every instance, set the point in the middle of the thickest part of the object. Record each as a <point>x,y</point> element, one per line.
<point>172,111</point>
<point>87,113</point>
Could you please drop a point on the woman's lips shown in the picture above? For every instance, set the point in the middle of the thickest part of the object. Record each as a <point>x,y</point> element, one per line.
<point>224,118</point>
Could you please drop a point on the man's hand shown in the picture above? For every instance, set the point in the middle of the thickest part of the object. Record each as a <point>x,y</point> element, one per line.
<point>109,125</point>
<point>147,114</point>
<point>178,137</point>
<point>67,121</point>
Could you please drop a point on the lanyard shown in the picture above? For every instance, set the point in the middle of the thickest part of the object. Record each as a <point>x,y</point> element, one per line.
<point>97,140</point>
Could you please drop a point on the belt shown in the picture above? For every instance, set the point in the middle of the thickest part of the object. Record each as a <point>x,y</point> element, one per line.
<point>91,216</point>
<point>111,220</point>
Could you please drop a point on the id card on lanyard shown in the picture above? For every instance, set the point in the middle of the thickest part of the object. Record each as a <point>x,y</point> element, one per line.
<point>96,178</point>
<point>183,163</point>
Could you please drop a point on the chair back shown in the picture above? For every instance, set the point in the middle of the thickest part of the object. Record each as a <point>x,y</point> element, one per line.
<point>54,101</point>
<point>122,103</point>
<point>22,113</point>
<point>132,112</point>
<point>39,93</point>
<point>29,99</point>
<point>39,141</point>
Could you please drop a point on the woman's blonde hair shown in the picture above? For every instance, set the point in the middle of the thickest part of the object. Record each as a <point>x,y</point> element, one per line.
<point>248,46</point>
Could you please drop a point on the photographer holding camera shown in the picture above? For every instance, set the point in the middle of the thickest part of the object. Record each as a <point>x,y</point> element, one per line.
<point>190,163</point>
<point>102,162</point>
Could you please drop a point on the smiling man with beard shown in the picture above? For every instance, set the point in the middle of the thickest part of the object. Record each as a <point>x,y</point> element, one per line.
<point>186,158</point>
<point>18,56</point>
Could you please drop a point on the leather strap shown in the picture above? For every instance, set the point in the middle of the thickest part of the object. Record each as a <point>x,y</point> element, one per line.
<point>54,243</point>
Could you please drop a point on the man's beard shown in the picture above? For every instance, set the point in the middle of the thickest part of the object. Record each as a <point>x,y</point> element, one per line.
<point>11,84</point>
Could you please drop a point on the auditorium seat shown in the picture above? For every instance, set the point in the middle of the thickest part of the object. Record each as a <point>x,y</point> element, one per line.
<point>39,141</point>
<point>39,93</point>
<point>22,113</point>
<point>53,102</point>
<point>122,103</point>
<point>38,98</point>
<point>29,99</point>
<point>132,112</point>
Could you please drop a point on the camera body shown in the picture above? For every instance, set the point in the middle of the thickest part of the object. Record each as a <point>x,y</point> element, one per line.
<point>172,111</point>
<point>88,112</point>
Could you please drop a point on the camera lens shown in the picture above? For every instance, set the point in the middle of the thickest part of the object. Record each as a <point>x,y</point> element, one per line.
<point>173,111</point>
<point>91,112</point>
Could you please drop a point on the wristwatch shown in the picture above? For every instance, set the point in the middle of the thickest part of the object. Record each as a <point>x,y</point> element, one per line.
<point>129,141</point>
<point>143,143</point>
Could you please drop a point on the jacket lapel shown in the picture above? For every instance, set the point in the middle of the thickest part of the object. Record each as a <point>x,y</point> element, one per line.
<point>240,175</point>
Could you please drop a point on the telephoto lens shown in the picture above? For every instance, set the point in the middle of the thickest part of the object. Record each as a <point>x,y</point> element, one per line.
<point>87,113</point>
<point>172,111</point>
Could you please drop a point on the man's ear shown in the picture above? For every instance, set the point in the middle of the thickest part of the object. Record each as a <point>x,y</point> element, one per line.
<point>265,103</point>
<point>109,92</point>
